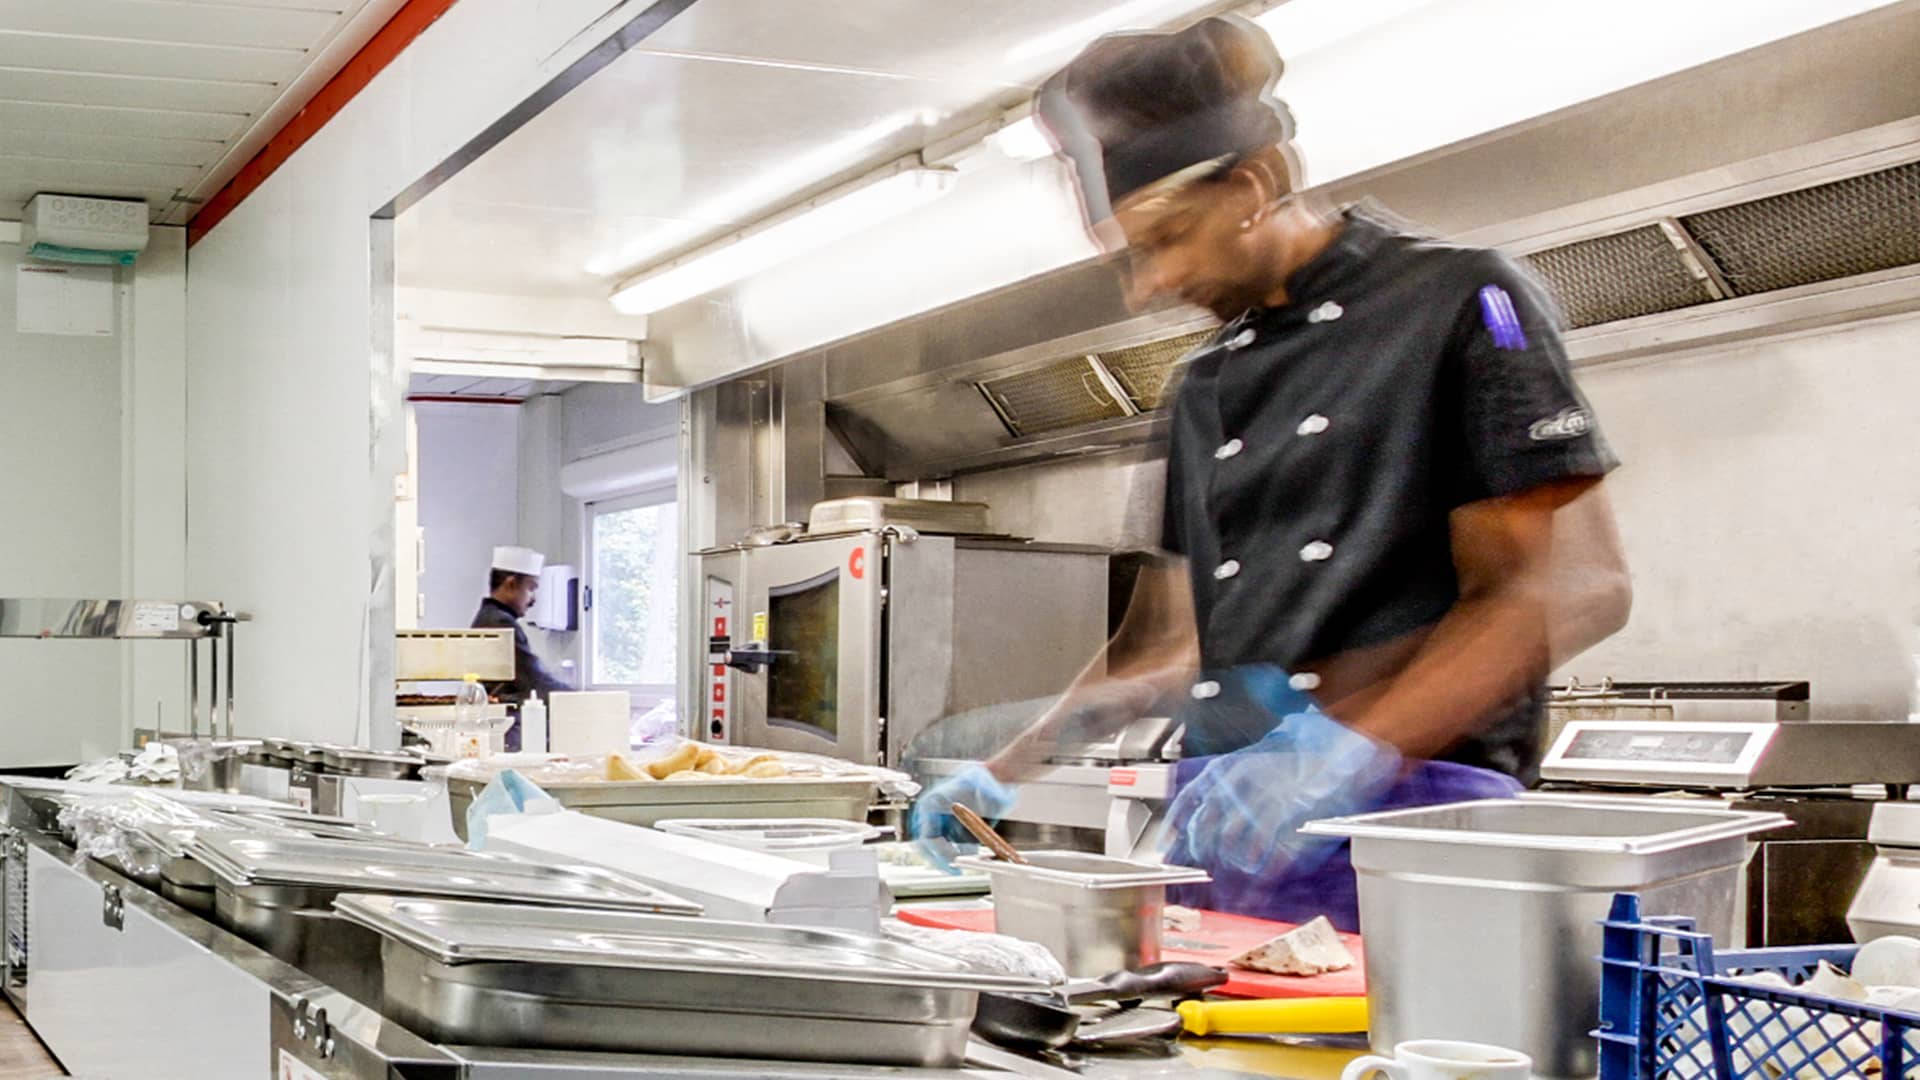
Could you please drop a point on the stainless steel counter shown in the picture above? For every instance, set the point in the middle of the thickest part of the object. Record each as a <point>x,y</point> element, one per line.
<point>119,981</point>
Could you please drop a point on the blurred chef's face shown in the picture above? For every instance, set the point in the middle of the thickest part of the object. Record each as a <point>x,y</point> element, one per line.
<point>521,592</point>
<point>1193,243</point>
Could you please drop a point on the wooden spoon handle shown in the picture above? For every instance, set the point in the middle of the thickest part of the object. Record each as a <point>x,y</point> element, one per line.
<point>984,833</point>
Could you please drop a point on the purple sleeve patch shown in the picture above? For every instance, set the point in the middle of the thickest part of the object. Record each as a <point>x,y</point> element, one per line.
<point>1501,319</point>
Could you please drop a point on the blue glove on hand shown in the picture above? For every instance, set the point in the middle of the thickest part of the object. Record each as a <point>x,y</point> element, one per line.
<point>1245,808</point>
<point>932,823</point>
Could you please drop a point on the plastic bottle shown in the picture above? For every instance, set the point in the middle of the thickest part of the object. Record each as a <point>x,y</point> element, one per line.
<point>472,734</point>
<point>533,725</point>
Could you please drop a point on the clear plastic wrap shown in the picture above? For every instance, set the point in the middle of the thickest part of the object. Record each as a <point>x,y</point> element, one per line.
<point>125,831</point>
<point>994,953</point>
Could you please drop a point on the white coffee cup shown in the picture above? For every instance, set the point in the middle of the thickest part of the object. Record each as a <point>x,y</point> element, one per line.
<point>1440,1059</point>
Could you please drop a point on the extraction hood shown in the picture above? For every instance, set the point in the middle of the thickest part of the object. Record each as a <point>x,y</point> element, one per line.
<point>1775,190</point>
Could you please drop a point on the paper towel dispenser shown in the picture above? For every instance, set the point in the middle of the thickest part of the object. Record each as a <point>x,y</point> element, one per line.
<point>558,605</point>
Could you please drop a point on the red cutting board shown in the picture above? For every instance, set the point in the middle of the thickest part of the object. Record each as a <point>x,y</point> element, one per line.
<point>1221,937</point>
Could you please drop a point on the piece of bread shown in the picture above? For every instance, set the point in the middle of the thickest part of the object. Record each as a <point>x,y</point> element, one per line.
<point>739,768</point>
<point>766,770</point>
<point>685,756</point>
<point>1311,949</point>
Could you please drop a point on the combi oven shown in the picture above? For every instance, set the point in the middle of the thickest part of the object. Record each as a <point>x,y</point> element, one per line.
<point>851,645</point>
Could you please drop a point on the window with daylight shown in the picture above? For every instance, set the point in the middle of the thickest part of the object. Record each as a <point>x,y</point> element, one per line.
<point>633,566</point>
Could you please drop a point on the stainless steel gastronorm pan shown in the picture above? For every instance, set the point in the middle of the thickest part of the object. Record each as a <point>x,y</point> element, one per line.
<point>499,975</point>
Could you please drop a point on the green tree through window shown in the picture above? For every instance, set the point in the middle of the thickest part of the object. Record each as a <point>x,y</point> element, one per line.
<point>635,581</point>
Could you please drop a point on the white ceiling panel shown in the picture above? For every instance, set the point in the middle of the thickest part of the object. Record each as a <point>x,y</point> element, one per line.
<point>176,95</point>
<point>100,120</point>
<point>115,56</point>
<point>79,146</point>
<point>21,178</point>
<point>159,21</point>
<point>159,99</point>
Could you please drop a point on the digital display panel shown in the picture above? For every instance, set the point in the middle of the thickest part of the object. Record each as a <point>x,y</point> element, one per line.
<point>1681,746</point>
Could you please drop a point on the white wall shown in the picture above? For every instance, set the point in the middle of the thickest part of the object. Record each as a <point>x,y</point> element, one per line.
<point>287,506</point>
<point>469,502</point>
<point>93,508</point>
<point>1769,504</point>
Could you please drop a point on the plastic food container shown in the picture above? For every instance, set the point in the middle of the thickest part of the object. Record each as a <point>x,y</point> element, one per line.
<point>1095,914</point>
<point>811,840</point>
<point>1482,919</point>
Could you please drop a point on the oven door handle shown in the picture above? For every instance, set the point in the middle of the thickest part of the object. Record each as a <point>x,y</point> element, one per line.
<point>754,659</point>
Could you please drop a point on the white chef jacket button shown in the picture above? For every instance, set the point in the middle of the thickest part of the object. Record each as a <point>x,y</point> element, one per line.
<point>1228,449</point>
<point>1226,570</point>
<point>1203,690</point>
<point>1242,339</point>
<point>1326,312</point>
<point>1312,425</point>
<point>1306,680</point>
<point>1318,551</point>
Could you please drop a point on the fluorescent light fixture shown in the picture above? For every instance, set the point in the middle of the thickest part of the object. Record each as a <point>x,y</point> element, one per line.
<point>784,238</point>
<point>1301,26</point>
<point>1076,34</point>
<point>768,187</point>
<point>1022,140</point>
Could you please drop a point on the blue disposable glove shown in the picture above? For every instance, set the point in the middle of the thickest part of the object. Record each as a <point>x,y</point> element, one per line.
<point>1245,808</point>
<point>507,793</point>
<point>932,823</point>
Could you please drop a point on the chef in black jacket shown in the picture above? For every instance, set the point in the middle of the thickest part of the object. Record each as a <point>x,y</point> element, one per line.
<point>513,584</point>
<point>1383,520</point>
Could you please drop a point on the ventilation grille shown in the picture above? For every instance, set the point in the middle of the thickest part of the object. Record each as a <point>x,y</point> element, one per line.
<point>1063,394</point>
<point>1622,276</point>
<point>1149,373</point>
<point>1836,230</point>
<point>1823,233</point>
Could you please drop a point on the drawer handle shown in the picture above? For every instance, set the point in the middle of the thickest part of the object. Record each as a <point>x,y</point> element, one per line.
<point>113,907</point>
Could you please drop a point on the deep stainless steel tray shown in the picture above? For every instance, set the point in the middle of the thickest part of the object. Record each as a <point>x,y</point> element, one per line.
<point>645,802</point>
<point>278,892</point>
<point>502,975</point>
<point>1085,871</point>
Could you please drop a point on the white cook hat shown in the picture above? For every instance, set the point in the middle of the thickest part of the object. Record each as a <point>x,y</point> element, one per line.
<point>518,560</point>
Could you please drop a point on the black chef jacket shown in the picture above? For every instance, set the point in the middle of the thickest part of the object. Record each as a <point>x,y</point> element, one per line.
<point>1318,447</point>
<point>529,674</point>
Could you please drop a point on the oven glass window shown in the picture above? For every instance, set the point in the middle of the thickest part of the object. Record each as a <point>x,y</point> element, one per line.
<point>803,683</point>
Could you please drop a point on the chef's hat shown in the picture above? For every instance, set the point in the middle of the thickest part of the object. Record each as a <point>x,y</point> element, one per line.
<point>519,560</point>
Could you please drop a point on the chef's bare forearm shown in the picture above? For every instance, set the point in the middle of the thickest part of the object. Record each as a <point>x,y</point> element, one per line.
<point>1154,654</point>
<point>1098,703</point>
<point>1483,655</point>
<point>1541,581</point>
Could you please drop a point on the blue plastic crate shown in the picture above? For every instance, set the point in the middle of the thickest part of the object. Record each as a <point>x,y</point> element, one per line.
<point>1668,1011</point>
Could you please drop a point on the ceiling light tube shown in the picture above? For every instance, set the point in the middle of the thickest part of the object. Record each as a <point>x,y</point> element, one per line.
<point>785,237</point>
<point>1022,140</point>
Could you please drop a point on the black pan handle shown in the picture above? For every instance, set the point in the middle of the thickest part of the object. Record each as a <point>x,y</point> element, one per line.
<point>1170,979</point>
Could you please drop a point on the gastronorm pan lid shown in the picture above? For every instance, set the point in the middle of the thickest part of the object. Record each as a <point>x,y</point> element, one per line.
<point>456,932</point>
<point>363,866</point>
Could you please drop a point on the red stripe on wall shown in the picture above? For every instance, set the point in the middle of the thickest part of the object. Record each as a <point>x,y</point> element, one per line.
<point>405,25</point>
